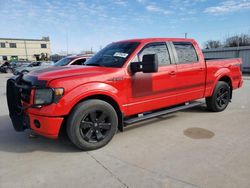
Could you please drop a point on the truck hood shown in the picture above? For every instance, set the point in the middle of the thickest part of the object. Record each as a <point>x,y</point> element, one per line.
<point>53,73</point>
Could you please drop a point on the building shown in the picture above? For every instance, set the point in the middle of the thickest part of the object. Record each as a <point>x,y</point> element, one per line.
<point>24,49</point>
<point>242,52</point>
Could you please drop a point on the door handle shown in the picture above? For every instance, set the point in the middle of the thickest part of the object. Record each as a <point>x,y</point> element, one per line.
<point>172,73</point>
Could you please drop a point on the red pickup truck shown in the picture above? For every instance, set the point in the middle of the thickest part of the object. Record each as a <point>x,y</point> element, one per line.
<point>126,82</point>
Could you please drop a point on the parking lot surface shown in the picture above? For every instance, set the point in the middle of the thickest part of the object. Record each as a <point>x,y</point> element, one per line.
<point>191,148</point>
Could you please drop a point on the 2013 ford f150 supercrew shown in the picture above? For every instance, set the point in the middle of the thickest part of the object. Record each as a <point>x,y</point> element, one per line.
<point>126,82</point>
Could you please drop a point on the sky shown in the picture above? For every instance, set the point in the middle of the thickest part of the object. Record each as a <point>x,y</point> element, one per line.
<point>79,25</point>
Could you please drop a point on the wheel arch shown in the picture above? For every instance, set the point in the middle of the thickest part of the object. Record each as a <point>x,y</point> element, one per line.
<point>113,103</point>
<point>102,97</point>
<point>225,78</point>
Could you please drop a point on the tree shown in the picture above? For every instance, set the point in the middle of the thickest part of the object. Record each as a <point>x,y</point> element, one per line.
<point>238,40</point>
<point>212,44</point>
<point>233,41</point>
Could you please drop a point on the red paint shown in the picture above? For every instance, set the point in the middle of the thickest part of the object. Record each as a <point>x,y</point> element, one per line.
<point>49,126</point>
<point>172,84</point>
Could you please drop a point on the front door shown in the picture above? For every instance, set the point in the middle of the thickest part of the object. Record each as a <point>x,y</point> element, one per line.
<point>150,91</point>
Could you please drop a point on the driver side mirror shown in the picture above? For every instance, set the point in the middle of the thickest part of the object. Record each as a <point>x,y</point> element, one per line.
<point>149,64</point>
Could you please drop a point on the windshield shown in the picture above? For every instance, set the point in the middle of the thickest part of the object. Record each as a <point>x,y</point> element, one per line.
<point>113,55</point>
<point>63,62</point>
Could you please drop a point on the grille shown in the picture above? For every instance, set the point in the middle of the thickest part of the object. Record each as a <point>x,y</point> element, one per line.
<point>25,90</point>
<point>18,118</point>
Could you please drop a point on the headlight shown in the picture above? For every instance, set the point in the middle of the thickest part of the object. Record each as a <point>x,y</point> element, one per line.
<point>47,96</point>
<point>43,96</point>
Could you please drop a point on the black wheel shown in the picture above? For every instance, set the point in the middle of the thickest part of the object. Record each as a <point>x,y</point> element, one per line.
<point>92,124</point>
<point>220,98</point>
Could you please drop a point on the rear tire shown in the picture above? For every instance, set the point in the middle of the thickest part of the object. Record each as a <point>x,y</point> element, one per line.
<point>220,98</point>
<point>92,124</point>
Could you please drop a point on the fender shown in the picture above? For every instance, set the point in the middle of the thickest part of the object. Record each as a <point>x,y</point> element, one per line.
<point>69,100</point>
<point>95,89</point>
<point>218,75</point>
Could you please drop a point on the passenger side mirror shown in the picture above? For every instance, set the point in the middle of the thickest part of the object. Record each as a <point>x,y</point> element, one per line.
<point>149,64</point>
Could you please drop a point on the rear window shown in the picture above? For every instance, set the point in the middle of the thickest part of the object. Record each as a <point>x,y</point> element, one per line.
<point>185,52</point>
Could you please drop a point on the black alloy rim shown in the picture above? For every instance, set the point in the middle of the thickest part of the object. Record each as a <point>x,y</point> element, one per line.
<point>222,97</point>
<point>95,126</point>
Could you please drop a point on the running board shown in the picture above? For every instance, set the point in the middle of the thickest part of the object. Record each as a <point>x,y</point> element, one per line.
<point>162,112</point>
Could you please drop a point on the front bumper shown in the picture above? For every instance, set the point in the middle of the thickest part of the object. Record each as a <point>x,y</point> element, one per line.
<point>21,120</point>
<point>46,126</point>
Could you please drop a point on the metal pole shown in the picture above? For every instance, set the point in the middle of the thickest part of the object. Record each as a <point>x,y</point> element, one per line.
<point>185,35</point>
<point>26,50</point>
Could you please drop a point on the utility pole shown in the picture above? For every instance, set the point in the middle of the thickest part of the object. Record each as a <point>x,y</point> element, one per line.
<point>26,53</point>
<point>186,35</point>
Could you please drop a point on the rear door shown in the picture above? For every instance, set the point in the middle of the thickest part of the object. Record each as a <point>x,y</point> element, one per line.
<point>191,72</point>
<point>153,90</point>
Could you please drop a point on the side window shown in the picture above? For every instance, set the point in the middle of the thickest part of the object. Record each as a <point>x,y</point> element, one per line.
<point>185,52</point>
<point>34,64</point>
<point>43,45</point>
<point>158,48</point>
<point>12,45</point>
<point>79,62</point>
<point>2,45</point>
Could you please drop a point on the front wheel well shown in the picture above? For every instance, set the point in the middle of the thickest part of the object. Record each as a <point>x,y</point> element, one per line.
<point>229,82</point>
<point>105,98</point>
<point>113,103</point>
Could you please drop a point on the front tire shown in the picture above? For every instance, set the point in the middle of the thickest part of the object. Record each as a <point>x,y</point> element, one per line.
<point>220,98</point>
<point>92,124</point>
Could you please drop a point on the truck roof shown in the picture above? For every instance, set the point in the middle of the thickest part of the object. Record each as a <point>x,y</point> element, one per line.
<point>146,40</point>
